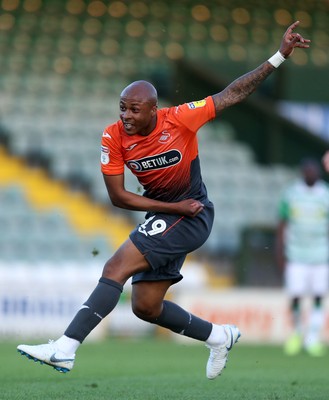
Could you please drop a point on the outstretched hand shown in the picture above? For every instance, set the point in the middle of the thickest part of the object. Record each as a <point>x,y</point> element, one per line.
<point>291,40</point>
<point>325,161</point>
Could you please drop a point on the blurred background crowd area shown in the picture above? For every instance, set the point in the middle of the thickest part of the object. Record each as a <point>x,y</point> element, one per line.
<point>63,65</point>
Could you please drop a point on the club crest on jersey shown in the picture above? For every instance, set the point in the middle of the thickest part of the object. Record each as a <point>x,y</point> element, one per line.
<point>158,161</point>
<point>165,135</point>
<point>105,155</point>
<point>196,104</point>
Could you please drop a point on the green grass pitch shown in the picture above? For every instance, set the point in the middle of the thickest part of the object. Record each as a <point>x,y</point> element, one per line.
<point>160,369</point>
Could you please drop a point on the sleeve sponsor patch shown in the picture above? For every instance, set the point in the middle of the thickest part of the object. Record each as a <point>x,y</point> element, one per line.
<point>196,104</point>
<point>105,155</point>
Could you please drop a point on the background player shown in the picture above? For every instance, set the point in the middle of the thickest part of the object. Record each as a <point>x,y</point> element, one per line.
<point>160,148</point>
<point>303,254</point>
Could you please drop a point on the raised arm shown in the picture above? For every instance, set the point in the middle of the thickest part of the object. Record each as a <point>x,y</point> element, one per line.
<point>242,87</point>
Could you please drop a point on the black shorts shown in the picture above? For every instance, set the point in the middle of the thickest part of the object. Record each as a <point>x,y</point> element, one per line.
<point>166,239</point>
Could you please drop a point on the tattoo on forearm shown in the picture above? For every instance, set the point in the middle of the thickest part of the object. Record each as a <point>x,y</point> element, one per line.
<point>242,87</point>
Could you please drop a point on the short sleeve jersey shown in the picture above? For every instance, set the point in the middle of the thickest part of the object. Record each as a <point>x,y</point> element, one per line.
<point>306,211</point>
<point>165,162</point>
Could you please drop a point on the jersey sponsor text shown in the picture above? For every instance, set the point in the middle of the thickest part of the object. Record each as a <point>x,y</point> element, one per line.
<point>163,160</point>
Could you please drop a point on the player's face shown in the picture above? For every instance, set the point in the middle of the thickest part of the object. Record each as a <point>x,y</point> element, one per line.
<point>138,117</point>
<point>311,174</point>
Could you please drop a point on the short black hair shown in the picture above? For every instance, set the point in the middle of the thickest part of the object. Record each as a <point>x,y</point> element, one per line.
<point>310,162</point>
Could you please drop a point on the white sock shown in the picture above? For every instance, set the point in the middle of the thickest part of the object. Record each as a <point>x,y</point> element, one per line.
<point>217,335</point>
<point>315,326</point>
<point>67,345</point>
<point>296,322</point>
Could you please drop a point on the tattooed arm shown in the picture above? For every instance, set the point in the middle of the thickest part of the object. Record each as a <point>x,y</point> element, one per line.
<point>242,87</point>
<point>248,83</point>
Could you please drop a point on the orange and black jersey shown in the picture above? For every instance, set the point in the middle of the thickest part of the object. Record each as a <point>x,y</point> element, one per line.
<point>165,162</point>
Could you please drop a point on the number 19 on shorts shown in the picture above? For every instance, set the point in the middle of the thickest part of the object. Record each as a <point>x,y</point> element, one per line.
<point>157,226</point>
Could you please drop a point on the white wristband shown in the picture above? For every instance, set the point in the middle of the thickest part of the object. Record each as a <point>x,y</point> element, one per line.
<point>276,59</point>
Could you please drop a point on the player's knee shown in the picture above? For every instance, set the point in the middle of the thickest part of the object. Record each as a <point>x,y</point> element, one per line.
<point>114,271</point>
<point>109,267</point>
<point>144,311</point>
